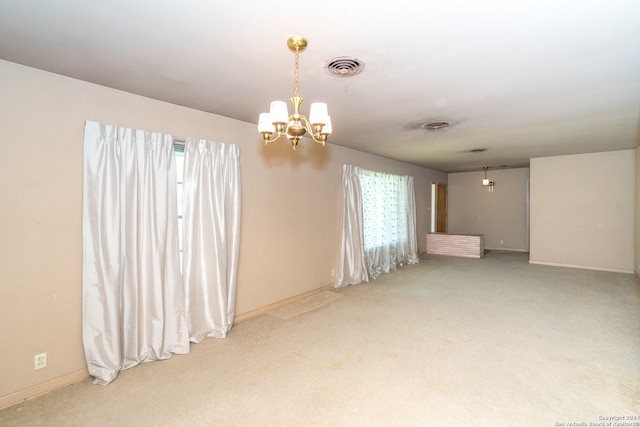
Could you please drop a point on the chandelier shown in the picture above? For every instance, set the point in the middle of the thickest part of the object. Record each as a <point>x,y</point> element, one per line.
<point>486,182</point>
<point>277,122</point>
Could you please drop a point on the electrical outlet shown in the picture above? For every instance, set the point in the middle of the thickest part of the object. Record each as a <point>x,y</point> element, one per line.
<point>333,273</point>
<point>39,361</point>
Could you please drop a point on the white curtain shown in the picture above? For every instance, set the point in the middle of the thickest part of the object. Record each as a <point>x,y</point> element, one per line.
<point>133,302</point>
<point>211,236</point>
<point>351,264</point>
<point>386,237</point>
<point>378,225</point>
<point>412,255</point>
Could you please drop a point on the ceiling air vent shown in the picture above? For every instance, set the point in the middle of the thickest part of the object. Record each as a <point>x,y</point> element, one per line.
<point>436,125</point>
<point>343,66</point>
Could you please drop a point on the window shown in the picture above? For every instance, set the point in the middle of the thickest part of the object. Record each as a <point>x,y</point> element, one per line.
<point>386,221</point>
<point>384,209</point>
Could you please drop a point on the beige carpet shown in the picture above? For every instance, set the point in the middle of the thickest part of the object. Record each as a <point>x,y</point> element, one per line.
<point>447,342</point>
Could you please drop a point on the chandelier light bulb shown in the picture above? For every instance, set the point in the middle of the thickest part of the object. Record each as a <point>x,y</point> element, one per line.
<point>279,112</point>
<point>318,114</point>
<point>265,124</point>
<point>326,129</point>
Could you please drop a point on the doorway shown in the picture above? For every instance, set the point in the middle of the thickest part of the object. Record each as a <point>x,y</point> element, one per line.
<point>438,207</point>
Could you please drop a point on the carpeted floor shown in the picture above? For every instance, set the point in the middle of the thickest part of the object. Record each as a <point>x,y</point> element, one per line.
<point>450,341</point>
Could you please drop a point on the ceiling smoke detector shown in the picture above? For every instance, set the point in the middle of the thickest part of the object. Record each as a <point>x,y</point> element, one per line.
<point>343,66</point>
<point>437,125</point>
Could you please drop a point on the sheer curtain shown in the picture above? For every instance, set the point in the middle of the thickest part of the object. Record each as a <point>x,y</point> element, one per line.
<point>211,236</point>
<point>351,264</point>
<point>382,208</point>
<point>133,302</point>
<point>412,255</point>
<point>386,232</point>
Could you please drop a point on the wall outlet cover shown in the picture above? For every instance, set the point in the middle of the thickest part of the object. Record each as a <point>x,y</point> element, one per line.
<point>40,361</point>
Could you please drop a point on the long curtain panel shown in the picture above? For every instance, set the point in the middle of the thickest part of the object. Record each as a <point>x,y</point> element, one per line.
<point>351,263</point>
<point>211,236</point>
<point>378,221</point>
<point>412,255</point>
<point>133,301</point>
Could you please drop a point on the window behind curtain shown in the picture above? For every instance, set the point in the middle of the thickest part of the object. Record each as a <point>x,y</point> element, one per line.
<point>378,232</point>
<point>384,209</point>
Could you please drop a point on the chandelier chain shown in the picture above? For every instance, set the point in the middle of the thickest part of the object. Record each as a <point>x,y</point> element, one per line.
<point>295,91</point>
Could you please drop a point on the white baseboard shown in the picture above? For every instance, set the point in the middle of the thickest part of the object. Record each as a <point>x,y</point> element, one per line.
<point>42,388</point>
<point>584,267</point>
<point>262,310</point>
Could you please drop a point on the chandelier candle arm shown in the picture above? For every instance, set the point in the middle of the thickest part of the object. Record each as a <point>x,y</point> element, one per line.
<point>277,122</point>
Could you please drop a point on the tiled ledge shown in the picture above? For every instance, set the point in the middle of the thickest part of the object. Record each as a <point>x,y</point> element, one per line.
<point>463,245</point>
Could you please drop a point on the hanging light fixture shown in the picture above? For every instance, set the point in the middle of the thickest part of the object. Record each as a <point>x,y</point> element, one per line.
<point>486,182</point>
<point>277,122</point>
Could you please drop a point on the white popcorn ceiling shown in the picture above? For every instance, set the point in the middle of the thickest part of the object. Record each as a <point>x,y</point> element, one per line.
<point>520,79</point>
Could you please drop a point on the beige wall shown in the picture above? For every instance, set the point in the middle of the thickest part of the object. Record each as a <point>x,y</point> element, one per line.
<point>501,215</point>
<point>582,210</point>
<point>289,224</point>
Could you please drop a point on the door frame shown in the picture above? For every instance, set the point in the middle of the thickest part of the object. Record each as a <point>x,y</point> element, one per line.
<point>435,188</point>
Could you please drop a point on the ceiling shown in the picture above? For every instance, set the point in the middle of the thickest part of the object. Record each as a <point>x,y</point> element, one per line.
<point>518,79</point>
